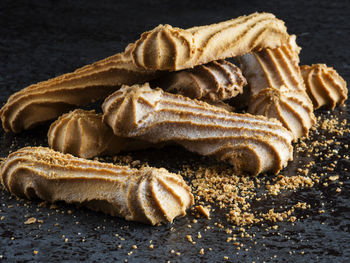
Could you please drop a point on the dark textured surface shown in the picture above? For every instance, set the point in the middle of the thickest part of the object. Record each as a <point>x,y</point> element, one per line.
<point>42,39</point>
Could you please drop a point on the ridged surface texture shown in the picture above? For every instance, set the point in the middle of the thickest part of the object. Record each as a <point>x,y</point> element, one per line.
<point>213,82</point>
<point>324,85</point>
<point>148,195</point>
<point>83,134</point>
<point>250,143</point>
<point>277,87</point>
<point>171,48</point>
<point>49,99</point>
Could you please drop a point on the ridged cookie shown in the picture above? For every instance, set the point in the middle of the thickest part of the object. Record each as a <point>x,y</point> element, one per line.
<point>277,87</point>
<point>49,99</point>
<point>324,85</point>
<point>83,134</point>
<point>148,195</point>
<point>213,82</point>
<point>250,143</point>
<point>171,48</point>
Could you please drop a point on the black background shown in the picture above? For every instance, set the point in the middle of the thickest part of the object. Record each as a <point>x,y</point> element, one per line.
<point>43,39</point>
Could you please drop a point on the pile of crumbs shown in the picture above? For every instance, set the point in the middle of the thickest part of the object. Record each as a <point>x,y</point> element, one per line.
<point>219,187</point>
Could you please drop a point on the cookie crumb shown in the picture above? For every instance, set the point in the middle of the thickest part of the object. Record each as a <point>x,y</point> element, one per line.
<point>30,220</point>
<point>203,211</point>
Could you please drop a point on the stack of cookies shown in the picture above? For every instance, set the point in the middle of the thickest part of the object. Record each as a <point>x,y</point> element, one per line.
<point>172,85</point>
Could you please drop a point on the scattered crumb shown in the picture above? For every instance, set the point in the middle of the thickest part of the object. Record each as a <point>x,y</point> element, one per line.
<point>30,220</point>
<point>203,211</point>
<point>189,238</point>
<point>333,178</point>
<point>43,204</point>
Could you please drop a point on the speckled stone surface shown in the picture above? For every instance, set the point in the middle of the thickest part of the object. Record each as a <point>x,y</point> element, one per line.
<point>43,39</point>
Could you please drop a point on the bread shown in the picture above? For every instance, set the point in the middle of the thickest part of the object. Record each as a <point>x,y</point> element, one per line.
<point>49,99</point>
<point>324,85</point>
<point>148,195</point>
<point>250,143</point>
<point>171,48</point>
<point>277,87</point>
<point>83,134</point>
<point>213,82</point>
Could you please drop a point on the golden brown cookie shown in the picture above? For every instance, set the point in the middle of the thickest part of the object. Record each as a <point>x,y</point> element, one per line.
<point>147,195</point>
<point>83,134</point>
<point>171,48</point>
<point>324,85</point>
<point>213,82</point>
<point>277,87</point>
<point>49,99</point>
<point>250,143</point>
